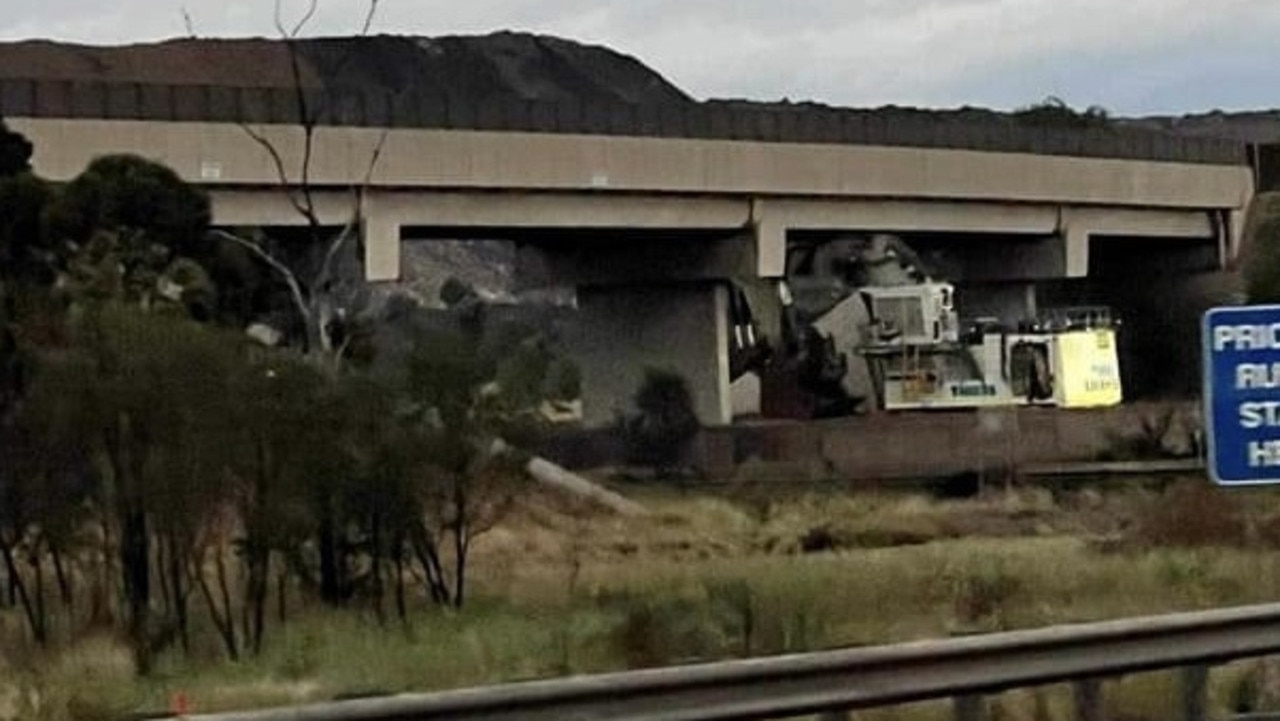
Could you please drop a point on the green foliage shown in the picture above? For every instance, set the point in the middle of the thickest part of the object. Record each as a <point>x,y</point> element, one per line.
<point>143,201</point>
<point>15,152</point>
<point>660,432</point>
<point>171,463</point>
<point>1054,112</point>
<point>985,595</point>
<point>24,258</point>
<point>1261,252</point>
<point>659,629</point>
<point>25,254</point>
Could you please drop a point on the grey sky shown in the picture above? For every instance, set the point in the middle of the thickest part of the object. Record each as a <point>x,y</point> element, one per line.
<point>1137,56</point>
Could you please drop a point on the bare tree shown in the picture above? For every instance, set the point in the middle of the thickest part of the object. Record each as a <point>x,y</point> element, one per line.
<point>327,300</point>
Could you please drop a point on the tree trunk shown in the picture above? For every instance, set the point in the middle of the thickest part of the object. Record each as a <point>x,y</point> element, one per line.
<point>461,547</point>
<point>135,565</point>
<point>42,613</point>
<point>402,609</point>
<point>375,562</point>
<point>461,542</point>
<point>18,588</point>
<point>259,567</point>
<point>64,582</point>
<point>282,594</point>
<point>179,591</point>
<point>7,596</point>
<point>223,618</point>
<point>162,574</point>
<point>429,558</point>
<point>330,573</point>
<point>11,590</point>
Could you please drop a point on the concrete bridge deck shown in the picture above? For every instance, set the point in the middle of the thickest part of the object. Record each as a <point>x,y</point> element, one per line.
<point>743,185</point>
<point>448,179</point>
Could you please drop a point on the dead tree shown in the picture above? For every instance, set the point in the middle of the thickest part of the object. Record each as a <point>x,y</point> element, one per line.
<point>329,299</point>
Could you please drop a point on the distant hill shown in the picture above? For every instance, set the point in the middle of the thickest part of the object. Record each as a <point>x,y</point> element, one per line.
<point>504,64</point>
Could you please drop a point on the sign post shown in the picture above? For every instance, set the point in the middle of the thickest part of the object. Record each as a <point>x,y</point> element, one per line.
<point>1242,394</point>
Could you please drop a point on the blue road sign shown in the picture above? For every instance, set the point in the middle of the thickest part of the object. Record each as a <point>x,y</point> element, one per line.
<point>1242,394</point>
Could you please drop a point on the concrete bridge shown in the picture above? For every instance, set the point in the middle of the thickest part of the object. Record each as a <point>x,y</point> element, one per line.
<point>619,214</point>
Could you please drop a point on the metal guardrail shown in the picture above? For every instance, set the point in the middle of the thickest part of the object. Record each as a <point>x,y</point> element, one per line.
<point>833,683</point>
<point>1113,468</point>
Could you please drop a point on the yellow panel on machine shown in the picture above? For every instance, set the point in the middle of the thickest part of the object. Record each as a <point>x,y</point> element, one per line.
<point>1088,369</point>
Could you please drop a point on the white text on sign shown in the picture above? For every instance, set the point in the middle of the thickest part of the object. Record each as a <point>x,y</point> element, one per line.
<point>1246,337</point>
<point>1264,454</point>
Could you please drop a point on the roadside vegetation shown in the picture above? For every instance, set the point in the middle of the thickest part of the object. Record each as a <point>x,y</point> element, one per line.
<point>559,588</point>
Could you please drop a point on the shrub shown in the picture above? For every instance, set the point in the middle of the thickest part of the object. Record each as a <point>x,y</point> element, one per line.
<point>660,433</point>
<point>984,595</point>
<point>1261,252</point>
<point>907,532</point>
<point>1189,515</point>
<point>660,629</point>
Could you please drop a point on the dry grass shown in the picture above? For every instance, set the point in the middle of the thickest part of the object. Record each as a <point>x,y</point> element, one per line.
<point>560,590</point>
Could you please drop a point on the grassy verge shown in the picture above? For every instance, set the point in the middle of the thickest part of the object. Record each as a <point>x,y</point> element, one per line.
<point>713,577</point>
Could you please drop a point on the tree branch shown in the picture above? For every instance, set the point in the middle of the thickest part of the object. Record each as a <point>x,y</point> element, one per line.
<point>308,120</point>
<point>368,18</point>
<point>326,267</point>
<point>295,289</point>
<point>377,156</point>
<point>278,161</point>
<point>352,227</point>
<point>300,25</point>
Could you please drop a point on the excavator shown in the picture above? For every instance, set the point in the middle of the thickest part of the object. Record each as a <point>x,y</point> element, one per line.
<point>858,325</point>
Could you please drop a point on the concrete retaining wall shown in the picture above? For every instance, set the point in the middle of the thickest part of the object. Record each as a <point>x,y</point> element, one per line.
<point>909,445</point>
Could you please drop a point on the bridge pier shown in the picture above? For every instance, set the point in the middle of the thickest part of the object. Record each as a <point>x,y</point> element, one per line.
<point>625,329</point>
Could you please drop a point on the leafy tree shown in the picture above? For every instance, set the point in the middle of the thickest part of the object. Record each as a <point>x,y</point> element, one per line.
<point>127,224</point>
<point>1261,252</point>
<point>1054,112</point>
<point>23,198</point>
<point>144,394</point>
<point>475,386</point>
<point>15,152</point>
<point>44,485</point>
<point>660,433</point>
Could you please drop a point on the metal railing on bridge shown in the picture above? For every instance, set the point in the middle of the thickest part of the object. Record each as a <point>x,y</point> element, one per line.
<point>794,123</point>
<point>836,683</point>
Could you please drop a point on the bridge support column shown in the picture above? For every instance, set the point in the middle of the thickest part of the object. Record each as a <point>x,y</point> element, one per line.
<point>1076,241</point>
<point>381,240</point>
<point>770,241</point>
<point>624,330</point>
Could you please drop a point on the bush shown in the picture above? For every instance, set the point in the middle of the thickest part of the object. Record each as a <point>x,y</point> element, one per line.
<point>664,629</point>
<point>660,434</point>
<point>984,595</point>
<point>15,152</point>
<point>1261,252</point>
<point>906,532</point>
<point>1189,515</point>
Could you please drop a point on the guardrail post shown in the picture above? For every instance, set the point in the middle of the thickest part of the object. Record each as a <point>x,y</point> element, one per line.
<point>1195,693</point>
<point>1088,700</point>
<point>970,708</point>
